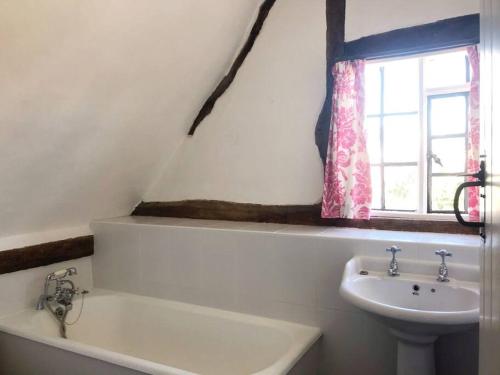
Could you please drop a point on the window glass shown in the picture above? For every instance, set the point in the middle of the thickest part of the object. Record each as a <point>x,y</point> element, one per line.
<point>448,114</point>
<point>372,126</point>
<point>401,86</point>
<point>443,192</point>
<point>401,189</point>
<point>401,138</point>
<point>446,69</point>
<point>372,89</point>
<point>416,121</point>
<point>376,188</point>
<point>451,153</point>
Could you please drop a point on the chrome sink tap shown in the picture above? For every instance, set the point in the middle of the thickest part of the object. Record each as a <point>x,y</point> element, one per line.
<point>443,268</point>
<point>393,266</point>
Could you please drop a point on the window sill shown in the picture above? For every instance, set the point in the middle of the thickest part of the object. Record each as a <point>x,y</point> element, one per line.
<point>415,216</point>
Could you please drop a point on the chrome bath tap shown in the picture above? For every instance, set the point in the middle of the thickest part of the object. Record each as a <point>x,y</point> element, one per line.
<point>443,268</point>
<point>60,302</point>
<point>62,295</point>
<point>393,266</point>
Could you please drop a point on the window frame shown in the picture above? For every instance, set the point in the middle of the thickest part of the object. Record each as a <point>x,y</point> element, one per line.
<point>424,209</point>
<point>429,97</point>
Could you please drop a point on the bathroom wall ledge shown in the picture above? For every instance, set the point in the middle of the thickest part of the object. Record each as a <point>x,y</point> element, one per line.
<point>45,254</point>
<point>386,236</point>
<point>293,214</point>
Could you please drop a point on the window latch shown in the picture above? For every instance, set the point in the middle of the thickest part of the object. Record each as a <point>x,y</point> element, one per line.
<point>436,159</point>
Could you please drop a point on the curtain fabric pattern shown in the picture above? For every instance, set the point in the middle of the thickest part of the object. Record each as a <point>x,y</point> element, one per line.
<point>473,141</point>
<point>347,189</point>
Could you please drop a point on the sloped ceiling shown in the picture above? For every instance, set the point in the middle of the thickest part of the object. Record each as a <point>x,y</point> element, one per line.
<point>96,94</point>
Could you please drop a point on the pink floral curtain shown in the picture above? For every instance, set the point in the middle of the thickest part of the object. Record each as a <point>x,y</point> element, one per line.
<point>473,142</point>
<point>347,189</point>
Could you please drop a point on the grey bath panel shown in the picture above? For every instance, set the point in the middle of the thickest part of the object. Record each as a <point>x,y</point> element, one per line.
<point>19,356</point>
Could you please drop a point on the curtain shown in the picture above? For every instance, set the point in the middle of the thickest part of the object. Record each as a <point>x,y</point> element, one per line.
<point>473,141</point>
<point>347,189</point>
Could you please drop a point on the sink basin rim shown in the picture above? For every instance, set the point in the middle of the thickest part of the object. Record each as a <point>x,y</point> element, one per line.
<point>453,317</point>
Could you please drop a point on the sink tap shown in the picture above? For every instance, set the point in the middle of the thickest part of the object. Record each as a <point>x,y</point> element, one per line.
<point>393,266</point>
<point>443,269</point>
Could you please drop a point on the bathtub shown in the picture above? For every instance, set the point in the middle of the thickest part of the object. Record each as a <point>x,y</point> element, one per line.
<point>121,333</point>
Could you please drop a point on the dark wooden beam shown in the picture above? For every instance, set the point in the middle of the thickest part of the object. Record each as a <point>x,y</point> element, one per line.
<point>45,254</point>
<point>448,33</point>
<point>335,29</point>
<point>294,214</point>
<point>224,84</point>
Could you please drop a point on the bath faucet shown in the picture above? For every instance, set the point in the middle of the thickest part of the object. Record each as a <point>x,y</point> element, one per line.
<point>443,268</point>
<point>60,301</point>
<point>62,295</point>
<point>393,266</point>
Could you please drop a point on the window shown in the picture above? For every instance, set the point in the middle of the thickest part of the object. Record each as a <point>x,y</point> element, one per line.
<point>416,123</point>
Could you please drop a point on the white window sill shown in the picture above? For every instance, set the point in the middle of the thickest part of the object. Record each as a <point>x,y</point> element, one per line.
<point>415,216</point>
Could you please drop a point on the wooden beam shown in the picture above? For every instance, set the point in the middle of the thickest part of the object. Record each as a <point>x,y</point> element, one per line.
<point>448,33</point>
<point>293,214</point>
<point>45,254</point>
<point>335,30</point>
<point>224,84</point>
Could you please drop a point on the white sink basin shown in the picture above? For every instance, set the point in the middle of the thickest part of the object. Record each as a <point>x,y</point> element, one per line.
<point>416,307</point>
<point>451,303</point>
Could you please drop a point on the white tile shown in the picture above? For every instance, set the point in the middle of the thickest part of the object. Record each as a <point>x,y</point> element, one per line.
<point>343,338</point>
<point>172,255</point>
<point>218,257</point>
<point>256,264</point>
<point>332,258</point>
<point>302,230</point>
<point>296,270</point>
<point>171,292</point>
<point>116,261</point>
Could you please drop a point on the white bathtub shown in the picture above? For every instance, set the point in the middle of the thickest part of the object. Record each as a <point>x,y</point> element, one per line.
<point>122,333</point>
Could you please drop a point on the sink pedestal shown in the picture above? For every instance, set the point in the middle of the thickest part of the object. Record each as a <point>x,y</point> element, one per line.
<point>415,306</point>
<point>415,353</point>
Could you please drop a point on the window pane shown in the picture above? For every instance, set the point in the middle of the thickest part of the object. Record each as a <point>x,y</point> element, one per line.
<point>372,126</point>
<point>401,190</point>
<point>448,115</point>
<point>443,192</point>
<point>401,88</point>
<point>451,152</point>
<point>443,70</point>
<point>376,188</point>
<point>401,138</point>
<point>372,89</point>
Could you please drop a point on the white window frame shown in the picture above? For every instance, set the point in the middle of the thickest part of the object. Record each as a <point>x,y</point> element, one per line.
<point>421,212</point>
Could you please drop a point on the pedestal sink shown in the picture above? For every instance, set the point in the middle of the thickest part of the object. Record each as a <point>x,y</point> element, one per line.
<point>415,306</point>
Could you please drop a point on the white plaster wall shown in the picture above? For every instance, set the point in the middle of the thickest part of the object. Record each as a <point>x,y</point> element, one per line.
<point>367,17</point>
<point>94,95</point>
<point>258,143</point>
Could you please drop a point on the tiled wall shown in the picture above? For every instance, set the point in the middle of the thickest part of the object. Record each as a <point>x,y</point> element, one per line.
<point>284,272</point>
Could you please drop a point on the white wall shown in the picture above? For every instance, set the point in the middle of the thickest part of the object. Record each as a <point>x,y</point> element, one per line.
<point>367,17</point>
<point>95,94</point>
<point>283,272</point>
<point>258,143</point>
